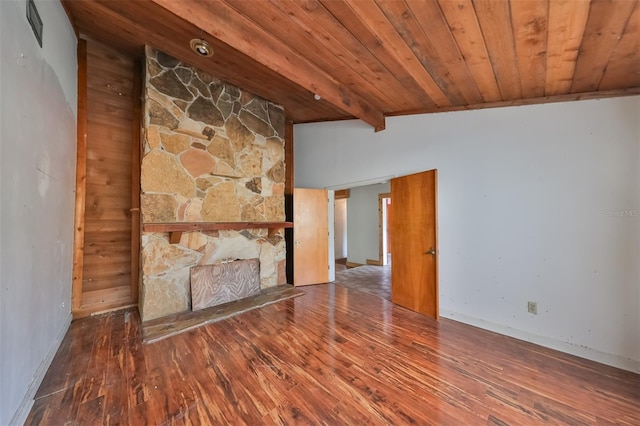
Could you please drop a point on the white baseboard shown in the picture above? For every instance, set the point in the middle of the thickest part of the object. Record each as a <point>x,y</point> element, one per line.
<point>21,414</point>
<point>547,342</point>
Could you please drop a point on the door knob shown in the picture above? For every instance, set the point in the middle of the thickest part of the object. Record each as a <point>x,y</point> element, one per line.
<point>431,251</point>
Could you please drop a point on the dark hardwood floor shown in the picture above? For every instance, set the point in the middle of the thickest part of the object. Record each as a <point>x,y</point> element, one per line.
<point>332,357</point>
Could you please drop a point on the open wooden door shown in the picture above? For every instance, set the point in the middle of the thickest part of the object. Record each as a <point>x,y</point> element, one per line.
<point>414,250</point>
<point>310,236</point>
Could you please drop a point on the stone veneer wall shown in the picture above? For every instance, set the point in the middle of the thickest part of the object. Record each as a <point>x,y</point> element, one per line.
<point>211,153</point>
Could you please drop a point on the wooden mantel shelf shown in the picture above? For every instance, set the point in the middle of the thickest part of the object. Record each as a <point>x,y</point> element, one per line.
<point>176,229</point>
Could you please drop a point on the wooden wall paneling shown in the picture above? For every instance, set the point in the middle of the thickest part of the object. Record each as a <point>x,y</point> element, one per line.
<point>128,26</point>
<point>498,46</point>
<point>623,69</point>
<point>289,31</point>
<point>329,32</point>
<point>107,264</point>
<point>529,19</point>
<point>288,158</point>
<point>368,38</point>
<point>429,49</point>
<point>136,155</point>
<point>567,22</point>
<point>463,22</point>
<point>495,21</point>
<point>375,19</point>
<point>81,180</point>
<point>602,33</point>
<point>222,22</point>
<point>430,18</point>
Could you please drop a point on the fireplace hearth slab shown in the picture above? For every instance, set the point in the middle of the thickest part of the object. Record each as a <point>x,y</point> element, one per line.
<point>168,326</point>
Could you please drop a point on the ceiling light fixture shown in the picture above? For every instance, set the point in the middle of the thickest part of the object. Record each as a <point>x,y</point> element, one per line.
<point>201,47</point>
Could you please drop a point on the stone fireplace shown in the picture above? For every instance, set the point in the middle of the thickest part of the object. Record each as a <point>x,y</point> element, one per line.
<point>211,153</point>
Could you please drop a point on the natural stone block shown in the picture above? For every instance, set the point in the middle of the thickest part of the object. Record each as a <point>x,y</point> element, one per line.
<point>277,119</point>
<point>221,148</point>
<point>205,77</point>
<point>159,256</point>
<point>205,111</point>
<point>197,162</point>
<point>258,107</point>
<point>198,145</point>
<point>267,186</point>
<point>153,68</point>
<point>195,241</point>
<point>182,105</point>
<point>282,272</point>
<point>246,97</point>
<point>190,211</point>
<point>203,89</point>
<point>239,135</point>
<point>158,208</point>
<point>221,204</point>
<point>225,107</point>
<point>208,132</point>
<point>255,124</point>
<point>177,112</point>
<point>275,149</point>
<point>160,98</point>
<point>205,183</point>
<point>153,137</point>
<point>166,60</point>
<point>175,143</point>
<point>223,169</point>
<point>232,91</point>
<point>250,163</point>
<point>276,173</point>
<point>216,88</point>
<point>184,74</point>
<point>160,116</point>
<point>255,185</point>
<point>250,214</point>
<point>191,127</point>
<point>277,189</point>
<point>169,84</point>
<point>165,295</point>
<point>230,246</point>
<point>160,172</point>
<point>274,208</point>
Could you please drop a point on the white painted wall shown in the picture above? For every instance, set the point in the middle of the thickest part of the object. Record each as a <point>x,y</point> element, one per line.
<point>340,236</point>
<point>537,203</point>
<point>37,179</point>
<point>362,219</point>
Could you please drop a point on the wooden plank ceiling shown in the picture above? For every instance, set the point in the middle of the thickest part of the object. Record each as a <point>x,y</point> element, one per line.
<point>375,58</point>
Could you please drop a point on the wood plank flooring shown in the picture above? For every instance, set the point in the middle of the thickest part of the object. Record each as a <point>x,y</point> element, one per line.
<point>161,328</point>
<point>332,356</point>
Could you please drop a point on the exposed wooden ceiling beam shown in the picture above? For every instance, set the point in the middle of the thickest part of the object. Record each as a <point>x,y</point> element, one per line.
<point>221,21</point>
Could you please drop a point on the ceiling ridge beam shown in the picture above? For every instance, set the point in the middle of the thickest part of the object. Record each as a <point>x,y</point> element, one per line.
<point>221,21</point>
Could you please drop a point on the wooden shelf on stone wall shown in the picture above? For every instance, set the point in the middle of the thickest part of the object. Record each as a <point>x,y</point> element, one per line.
<point>176,229</point>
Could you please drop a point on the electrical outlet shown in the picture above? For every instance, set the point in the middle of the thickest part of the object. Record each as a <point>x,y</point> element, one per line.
<point>532,308</point>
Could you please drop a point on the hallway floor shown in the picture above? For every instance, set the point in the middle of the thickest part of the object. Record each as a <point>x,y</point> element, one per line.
<point>374,280</point>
